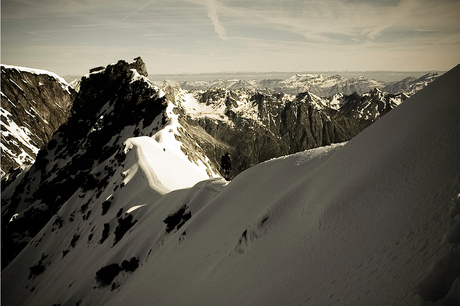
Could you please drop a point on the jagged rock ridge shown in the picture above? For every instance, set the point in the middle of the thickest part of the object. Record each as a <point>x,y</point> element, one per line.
<point>113,104</point>
<point>257,126</point>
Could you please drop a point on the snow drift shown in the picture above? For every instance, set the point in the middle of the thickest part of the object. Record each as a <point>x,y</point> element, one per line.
<point>373,221</point>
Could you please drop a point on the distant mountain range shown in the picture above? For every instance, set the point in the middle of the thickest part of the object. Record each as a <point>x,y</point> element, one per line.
<point>321,85</point>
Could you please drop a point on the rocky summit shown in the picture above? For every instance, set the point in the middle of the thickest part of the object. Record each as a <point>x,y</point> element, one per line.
<point>113,104</point>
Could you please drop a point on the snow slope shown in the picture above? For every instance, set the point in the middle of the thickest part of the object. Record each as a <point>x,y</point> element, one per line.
<point>34,104</point>
<point>371,222</point>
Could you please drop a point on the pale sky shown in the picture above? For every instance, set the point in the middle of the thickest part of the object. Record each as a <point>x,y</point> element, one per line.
<point>199,36</point>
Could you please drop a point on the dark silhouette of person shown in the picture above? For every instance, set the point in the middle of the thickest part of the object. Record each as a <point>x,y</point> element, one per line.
<point>226,163</point>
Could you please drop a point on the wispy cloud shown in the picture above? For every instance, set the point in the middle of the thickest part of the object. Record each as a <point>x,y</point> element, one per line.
<point>138,10</point>
<point>211,6</point>
<point>36,34</point>
<point>349,21</point>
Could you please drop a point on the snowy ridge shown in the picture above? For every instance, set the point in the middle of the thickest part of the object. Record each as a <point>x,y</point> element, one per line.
<point>320,85</point>
<point>370,222</point>
<point>218,103</point>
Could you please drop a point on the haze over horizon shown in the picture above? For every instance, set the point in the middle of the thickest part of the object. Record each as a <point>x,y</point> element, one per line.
<point>69,37</point>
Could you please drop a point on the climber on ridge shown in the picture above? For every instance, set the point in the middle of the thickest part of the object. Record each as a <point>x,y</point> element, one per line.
<point>226,163</point>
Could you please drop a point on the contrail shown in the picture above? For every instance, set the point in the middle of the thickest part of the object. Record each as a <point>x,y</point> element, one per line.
<point>137,10</point>
<point>212,14</point>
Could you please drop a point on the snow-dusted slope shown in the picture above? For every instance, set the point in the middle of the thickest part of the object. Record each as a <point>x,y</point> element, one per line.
<point>34,104</point>
<point>411,85</point>
<point>371,222</point>
<point>369,106</point>
<point>257,126</point>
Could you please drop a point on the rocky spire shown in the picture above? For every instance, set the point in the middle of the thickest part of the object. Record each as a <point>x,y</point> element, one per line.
<point>139,65</point>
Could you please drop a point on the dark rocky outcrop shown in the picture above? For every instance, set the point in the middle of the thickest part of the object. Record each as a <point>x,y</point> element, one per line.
<point>139,65</point>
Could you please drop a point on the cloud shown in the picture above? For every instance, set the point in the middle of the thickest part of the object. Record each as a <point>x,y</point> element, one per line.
<point>212,14</point>
<point>137,10</point>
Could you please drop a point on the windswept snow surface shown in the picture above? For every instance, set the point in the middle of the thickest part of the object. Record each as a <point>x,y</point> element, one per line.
<point>371,222</point>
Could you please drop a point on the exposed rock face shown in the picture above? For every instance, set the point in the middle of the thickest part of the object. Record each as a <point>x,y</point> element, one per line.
<point>34,104</point>
<point>256,126</point>
<point>139,65</point>
<point>113,104</point>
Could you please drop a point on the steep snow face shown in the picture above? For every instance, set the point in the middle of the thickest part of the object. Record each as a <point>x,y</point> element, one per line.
<point>165,167</point>
<point>163,161</point>
<point>21,136</point>
<point>370,222</point>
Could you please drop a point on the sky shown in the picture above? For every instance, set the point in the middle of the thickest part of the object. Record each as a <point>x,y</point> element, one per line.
<point>209,36</point>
